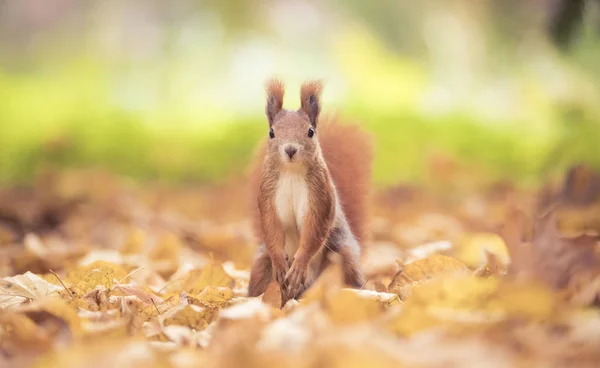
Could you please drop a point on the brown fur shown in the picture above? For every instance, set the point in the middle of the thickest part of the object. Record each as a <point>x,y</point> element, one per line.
<point>338,156</point>
<point>275,91</point>
<point>348,152</point>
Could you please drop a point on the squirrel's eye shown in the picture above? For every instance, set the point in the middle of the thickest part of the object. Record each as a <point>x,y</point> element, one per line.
<point>311,132</point>
<point>271,133</point>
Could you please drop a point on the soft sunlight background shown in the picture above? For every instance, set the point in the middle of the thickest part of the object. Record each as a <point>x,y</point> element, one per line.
<point>174,90</point>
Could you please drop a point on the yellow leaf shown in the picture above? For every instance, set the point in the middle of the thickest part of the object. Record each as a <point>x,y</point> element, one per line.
<point>410,320</point>
<point>102,276</point>
<point>424,270</point>
<point>77,274</point>
<point>347,306</point>
<point>155,309</point>
<point>214,295</point>
<point>189,315</point>
<point>211,275</point>
<point>143,292</point>
<point>472,249</point>
<point>475,299</point>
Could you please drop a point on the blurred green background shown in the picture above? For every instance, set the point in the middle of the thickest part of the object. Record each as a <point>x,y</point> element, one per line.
<point>174,90</point>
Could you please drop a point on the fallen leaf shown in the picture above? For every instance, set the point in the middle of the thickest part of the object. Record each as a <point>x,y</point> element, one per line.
<point>188,315</point>
<point>470,298</point>
<point>16,290</point>
<point>471,249</point>
<point>215,295</point>
<point>347,306</point>
<point>424,270</point>
<point>212,274</point>
<point>560,262</point>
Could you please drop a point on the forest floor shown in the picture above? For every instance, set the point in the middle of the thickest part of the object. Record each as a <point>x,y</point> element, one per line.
<point>97,271</point>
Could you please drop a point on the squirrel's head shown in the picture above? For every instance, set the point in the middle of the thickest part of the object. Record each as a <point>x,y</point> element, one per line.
<point>293,134</point>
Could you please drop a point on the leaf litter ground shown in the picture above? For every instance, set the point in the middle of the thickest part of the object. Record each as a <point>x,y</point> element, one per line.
<point>97,272</point>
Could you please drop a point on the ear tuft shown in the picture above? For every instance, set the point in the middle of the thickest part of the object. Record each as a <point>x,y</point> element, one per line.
<point>275,90</point>
<point>310,95</point>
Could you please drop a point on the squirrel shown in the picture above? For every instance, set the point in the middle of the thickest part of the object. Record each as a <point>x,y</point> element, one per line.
<point>310,191</point>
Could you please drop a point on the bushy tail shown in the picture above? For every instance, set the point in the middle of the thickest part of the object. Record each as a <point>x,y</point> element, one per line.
<point>348,152</point>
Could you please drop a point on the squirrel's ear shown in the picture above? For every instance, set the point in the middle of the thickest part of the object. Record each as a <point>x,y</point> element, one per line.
<point>275,90</point>
<point>310,95</point>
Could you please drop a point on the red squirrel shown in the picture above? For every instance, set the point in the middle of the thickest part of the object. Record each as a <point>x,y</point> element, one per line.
<point>311,189</point>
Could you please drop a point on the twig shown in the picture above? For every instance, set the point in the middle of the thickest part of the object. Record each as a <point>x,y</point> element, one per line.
<point>169,284</point>
<point>63,284</point>
<point>155,307</point>
<point>130,273</point>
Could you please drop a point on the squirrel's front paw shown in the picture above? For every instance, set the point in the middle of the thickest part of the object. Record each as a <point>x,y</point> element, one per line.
<point>294,280</point>
<point>280,269</point>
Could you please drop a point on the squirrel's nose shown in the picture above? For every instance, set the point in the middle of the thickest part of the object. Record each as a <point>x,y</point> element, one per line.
<point>291,151</point>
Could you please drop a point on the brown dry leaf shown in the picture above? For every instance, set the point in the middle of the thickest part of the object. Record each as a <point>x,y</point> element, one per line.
<point>212,274</point>
<point>154,310</point>
<point>142,292</point>
<point>560,262</point>
<point>37,327</point>
<point>21,332</point>
<point>18,289</point>
<point>57,308</point>
<point>424,270</point>
<point>95,300</point>
<point>40,255</point>
<point>272,296</point>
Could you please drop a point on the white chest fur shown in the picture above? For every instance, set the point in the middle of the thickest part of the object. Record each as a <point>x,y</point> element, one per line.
<point>291,202</point>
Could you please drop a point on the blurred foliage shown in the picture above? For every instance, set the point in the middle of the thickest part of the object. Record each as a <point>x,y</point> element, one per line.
<point>144,116</point>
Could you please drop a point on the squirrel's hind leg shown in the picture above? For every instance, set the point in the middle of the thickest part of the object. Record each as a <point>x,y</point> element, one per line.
<point>261,273</point>
<point>344,243</point>
<point>353,275</point>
